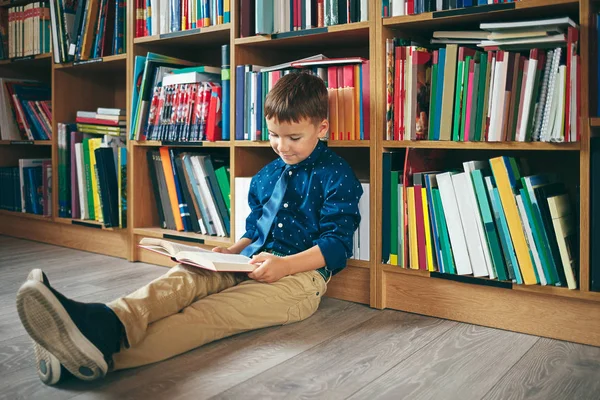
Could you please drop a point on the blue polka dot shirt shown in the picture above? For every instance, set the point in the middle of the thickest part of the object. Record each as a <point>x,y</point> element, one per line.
<point>320,207</point>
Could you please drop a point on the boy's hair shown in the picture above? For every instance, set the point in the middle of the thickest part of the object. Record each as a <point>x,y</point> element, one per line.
<point>297,96</point>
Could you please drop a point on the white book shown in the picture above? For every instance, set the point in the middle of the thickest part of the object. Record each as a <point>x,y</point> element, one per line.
<point>527,100</point>
<point>551,94</point>
<point>499,97</point>
<point>558,131</point>
<point>154,7</point>
<point>397,8</point>
<point>540,106</point>
<point>530,242</point>
<point>562,221</point>
<point>164,25</point>
<point>253,105</point>
<point>573,107</point>
<point>462,183</point>
<point>198,257</point>
<point>481,35</point>
<point>469,167</point>
<point>454,224</point>
<point>364,10</point>
<point>560,38</point>
<point>553,24</point>
<point>190,77</point>
<point>207,198</point>
<point>81,181</point>
<point>365,223</point>
<point>242,208</point>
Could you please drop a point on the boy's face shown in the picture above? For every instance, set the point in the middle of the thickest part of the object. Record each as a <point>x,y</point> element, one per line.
<point>295,141</point>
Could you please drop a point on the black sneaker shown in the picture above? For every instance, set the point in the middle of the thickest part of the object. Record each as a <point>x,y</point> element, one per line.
<point>47,365</point>
<point>82,337</point>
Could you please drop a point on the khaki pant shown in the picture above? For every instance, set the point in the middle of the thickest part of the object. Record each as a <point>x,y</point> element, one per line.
<point>188,307</point>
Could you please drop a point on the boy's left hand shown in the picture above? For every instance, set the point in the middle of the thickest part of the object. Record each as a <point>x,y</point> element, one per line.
<point>270,268</point>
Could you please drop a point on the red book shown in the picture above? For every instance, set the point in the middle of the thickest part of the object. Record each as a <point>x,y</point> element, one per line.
<point>366,83</point>
<point>98,121</point>
<point>213,131</point>
<point>572,40</point>
<point>397,90</point>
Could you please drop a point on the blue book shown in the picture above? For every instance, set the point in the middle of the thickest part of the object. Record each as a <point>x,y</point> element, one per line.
<point>225,95</point>
<point>439,92</point>
<point>183,207</point>
<point>430,180</point>
<point>240,75</point>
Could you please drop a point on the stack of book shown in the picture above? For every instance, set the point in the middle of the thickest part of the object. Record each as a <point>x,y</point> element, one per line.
<point>348,86</point>
<point>28,187</point>
<point>486,220</point>
<point>395,8</point>
<point>504,93</point>
<point>25,110</point>
<point>92,176</point>
<point>154,17</point>
<point>179,101</point>
<point>191,191</point>
<point>25,30</point>
<point>87,29</point>
<point>103,121</point>
<point>269,17</point>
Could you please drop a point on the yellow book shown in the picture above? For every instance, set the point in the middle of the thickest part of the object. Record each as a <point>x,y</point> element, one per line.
<point>226,11</point>
<point>94,144</point>
<point>513,219</point>
<point>428,248</point>
<point>413,251</point>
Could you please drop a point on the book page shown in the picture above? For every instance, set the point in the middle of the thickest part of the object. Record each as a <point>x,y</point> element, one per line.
<point>169,248</point>
<point>217,261</point>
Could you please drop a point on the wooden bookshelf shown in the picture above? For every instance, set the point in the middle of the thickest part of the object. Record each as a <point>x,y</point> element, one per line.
<point>25,142</point>
<point>541,310</point>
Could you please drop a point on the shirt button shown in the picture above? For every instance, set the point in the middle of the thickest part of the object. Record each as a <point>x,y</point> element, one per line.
<point>290,173</point>
<point>285,205</point>
<point>280,225</point>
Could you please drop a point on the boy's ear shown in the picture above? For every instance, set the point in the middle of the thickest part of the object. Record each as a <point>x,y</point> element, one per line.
<point>323,128</point>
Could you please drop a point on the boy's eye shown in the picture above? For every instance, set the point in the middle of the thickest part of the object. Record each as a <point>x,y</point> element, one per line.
<point>272,134</point>
<point>295,138</point>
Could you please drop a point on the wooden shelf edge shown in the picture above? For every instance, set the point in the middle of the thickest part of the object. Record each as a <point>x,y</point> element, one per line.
<point>158,143</point>
<point>359,263</point>
<point>18,60</point>
<point>399,21</point>
<point>349,143</point>
<point>251,143</point>
<point>439,144</point>
<point>191,32</point>
<point>99,60</point>
<point>26,142</point>
<point>399,270</point>
<point>86,223</point>
<point>195,238</point>
<point>354,26</point>
<point>17,214</point>
<point>595,122</point>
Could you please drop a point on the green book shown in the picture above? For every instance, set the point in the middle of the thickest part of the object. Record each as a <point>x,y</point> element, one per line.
<point>481,97</point>
<point>464,96</point>
<point>394,218</point>
<point>88,179</point>
<point>432,104</point>
<point>223,180</point>
<point>492,238</point>
<point>457,99</point>
<point>443,232</point>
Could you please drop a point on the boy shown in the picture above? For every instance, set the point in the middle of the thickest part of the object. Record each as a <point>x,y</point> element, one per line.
<point>299,232</point>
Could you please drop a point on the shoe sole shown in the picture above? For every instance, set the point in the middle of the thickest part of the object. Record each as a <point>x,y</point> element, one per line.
<point>49,324</point>
<point>47,366</point>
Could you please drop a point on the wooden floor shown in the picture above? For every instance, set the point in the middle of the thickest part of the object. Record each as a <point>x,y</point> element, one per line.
<point>344,351</point>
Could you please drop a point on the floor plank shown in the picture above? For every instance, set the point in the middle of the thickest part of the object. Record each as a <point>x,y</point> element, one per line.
<point>338,368</point>
<point>464,364</point>
<point>552,370</point>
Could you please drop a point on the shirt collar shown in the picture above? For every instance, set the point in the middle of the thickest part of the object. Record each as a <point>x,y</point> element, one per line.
<point>314,156</point>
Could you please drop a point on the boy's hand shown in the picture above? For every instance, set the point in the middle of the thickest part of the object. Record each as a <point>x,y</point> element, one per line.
<point>223,250</point>
<point>270,268</point>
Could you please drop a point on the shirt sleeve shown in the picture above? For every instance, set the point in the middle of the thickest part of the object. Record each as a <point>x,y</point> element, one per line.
<point>338,220</point>
<point>255,210</point>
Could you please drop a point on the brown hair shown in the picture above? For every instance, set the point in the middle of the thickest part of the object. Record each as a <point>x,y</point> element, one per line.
<point>297,96</point>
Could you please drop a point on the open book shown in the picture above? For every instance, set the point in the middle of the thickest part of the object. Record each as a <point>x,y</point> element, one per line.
<point>198,257</point>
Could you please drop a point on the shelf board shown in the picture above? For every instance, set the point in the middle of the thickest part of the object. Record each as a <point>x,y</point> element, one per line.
<point>183,236</point>
<point>211,35</point>
<point>349,143</point>
<point>345,34</point>
<point>109,63</point>
<point>158,143</point>
<point>358,263</point>
<point>86,223</point>
<point>251,143</point>
<point>18,214</point>
<point>8,3</point>
<point>537,289</point>
<point>29,61</point>
<point>595,122</point>
<point>451,18</point>
<point>25,142</point>
<point>439,144</point>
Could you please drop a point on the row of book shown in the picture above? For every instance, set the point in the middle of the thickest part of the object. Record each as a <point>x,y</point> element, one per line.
<point>102,121</point>
<point>265,17</point>
<point>395,8</point>
<point>178,100</point>
<point>92,177</point>
<point>28,187</point>
<point>25,110</point>
<point>361,240</point>
<point>27,30</point>
<point>154,17</point>
<point>487,220</point>
<point>474,96</point>
<point>191,191</point>
<point>87,29</point>
<point>348,86</point>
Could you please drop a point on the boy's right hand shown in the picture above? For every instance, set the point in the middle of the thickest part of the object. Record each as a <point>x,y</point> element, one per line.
<point>223,250</point>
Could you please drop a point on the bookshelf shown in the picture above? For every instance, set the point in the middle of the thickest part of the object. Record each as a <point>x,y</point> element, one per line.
<point>555,312</point>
